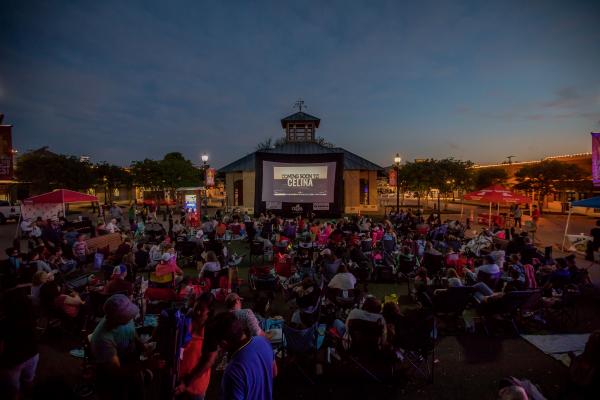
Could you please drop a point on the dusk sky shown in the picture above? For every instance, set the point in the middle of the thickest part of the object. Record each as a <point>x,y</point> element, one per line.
<point>125,80</point>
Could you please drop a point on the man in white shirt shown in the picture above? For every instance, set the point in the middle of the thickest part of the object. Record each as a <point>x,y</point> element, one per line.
<point>26,227</point>
<point>112,227</point>
<point>343,280</point>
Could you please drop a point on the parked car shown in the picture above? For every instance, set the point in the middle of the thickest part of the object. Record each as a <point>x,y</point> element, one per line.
<point>9,211</point>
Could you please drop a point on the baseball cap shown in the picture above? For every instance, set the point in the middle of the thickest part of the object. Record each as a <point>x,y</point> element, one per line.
<point>326,252</point>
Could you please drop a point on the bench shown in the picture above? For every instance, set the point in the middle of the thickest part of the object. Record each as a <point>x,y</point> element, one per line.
<point>112,241</point>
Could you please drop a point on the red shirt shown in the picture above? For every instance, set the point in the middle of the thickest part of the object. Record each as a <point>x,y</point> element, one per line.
<point>191,356</point>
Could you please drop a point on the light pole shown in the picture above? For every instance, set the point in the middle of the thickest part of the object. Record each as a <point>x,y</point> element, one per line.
<point>397,161</point>
<point>204,168</point>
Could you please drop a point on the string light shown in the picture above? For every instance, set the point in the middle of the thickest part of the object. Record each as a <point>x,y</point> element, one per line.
<point>576,155</point>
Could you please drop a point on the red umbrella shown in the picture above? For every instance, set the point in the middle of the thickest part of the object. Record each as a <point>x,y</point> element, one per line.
<point>496,194</point>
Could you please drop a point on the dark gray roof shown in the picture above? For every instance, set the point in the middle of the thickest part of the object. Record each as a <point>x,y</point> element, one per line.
<point>300,116</point>
<point>351,160</point>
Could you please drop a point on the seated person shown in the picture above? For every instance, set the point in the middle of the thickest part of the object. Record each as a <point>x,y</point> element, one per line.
<point>515,263</point>
<point>561,275</point>
<point>584,370</point>
<point>101,229</point>
<point>166,266</point>
<point>514,282</point>
<point>68,303</point>
<point>529,252</point>
<point>452,278</point>
<point>117,282</point>
<point>233,302</point>
<point>80,249</point>
<point>330,263</point>
<point>343,280</point>
<point>429,249</point>
<point>306,293</point>
<point>141,258</point>
<point>178,229</point>
<point>26,227</point>
<point>39,279</point>
<point>406,255</point>
<point>393,318</point>
<point>370,311</point>
<point>57,261</point>
<point>211,265</point>
<point>114,346</point>
<point>112,226</point>
<point>422,281</point>
<point>123,250</point>
<point>36,261</point>
<point>488,268</point>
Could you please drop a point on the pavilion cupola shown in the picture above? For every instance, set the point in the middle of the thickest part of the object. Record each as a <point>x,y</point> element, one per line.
<point>300,127</point>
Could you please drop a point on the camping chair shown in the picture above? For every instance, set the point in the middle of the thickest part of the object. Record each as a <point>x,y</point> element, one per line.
<point>366,245</point>
<point>491,280</point>
<point>508,308</point>
<point>365,347</point>
<point>406,270</point>
<point>434,263</point>
<point>257,249</point>
<point>449,304</point>
<point>564,312</point>
<point>300,345</point>
<point>344,299</point>
<point>417,339</point>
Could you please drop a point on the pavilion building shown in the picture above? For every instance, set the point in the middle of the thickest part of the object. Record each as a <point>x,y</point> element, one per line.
<point>355,185</point>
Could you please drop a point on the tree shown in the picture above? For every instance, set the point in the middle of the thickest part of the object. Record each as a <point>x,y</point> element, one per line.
<point>177,172</point>
<point>147,174</point>
<point>446,175</point>
<point>549,176</point>
<point>111,177</point>
<point>484,177</point>
<point>265,145</point>
<point>46,171</point>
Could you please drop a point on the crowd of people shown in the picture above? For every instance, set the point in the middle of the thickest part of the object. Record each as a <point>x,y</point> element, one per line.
<point>320,269</point>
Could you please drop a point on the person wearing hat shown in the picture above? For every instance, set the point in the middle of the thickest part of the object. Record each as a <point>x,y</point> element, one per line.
<point>114,345</point>
<point>246,316</point>
<point>117,282</point>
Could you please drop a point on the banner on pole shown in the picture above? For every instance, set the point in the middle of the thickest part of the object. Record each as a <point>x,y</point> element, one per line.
<point>210,177</point>
<point>596,158</point>
<point>393,177</point>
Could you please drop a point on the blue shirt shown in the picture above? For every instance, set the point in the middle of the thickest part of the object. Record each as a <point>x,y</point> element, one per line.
<point>249,375</point>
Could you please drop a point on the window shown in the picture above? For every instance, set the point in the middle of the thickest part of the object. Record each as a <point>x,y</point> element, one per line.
<point>364,191</point>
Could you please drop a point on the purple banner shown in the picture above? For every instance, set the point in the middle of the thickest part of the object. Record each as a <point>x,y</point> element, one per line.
<point>596,158</point>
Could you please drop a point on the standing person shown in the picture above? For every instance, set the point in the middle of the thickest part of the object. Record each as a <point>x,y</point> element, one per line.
<point>246,316</point>
<point>19,353</point>
<point>131,214</point>
<point>535,215</point>
<point>251,369</point>
<point>114,345</point>
<point>197,359</point>
<point>518,214</point>
<point>116,212</point>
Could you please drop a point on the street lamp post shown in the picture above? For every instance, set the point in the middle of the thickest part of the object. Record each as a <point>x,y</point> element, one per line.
<point>397,161</point>
<point>204,168</point>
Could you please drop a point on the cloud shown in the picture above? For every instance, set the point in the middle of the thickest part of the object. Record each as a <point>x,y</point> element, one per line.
<point>567,97</point>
